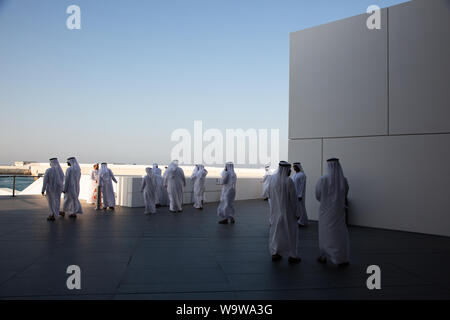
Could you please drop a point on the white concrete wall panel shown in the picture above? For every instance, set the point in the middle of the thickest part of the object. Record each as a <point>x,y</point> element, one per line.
<point>419,67</point>
<point>309,153</point>
<point>397,182</point>
<point>338,80</point>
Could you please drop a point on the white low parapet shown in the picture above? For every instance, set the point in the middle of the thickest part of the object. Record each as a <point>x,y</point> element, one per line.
<point>129,190</point>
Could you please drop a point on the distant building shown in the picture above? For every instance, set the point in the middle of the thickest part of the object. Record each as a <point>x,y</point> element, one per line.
<point>22,163</point>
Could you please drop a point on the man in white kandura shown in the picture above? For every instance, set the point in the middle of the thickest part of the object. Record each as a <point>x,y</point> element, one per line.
<point>159,185</point>
<point>192,179</point>
<point>164,199</point>
<point>105,179</point>
<point>265,182</point>
<point>71,190</point>
<point>331,191</point>
<point>299,179</point>
<point>174,182</point>
<point>53,186</point>
<point>225,209</point>
<point>199,186</point>
<point>148,189</point>
<point>92,197</point>
<point>283,236</point>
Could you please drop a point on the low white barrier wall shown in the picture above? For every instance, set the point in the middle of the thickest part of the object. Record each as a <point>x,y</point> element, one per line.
<point>129,190</point>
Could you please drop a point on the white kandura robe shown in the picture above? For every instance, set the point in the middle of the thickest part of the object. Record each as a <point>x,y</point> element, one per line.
<point>53,186</point>
<point>164,196</point>
<point>71,203</point>
<point>283,235</point>
<point>106,177</point>
<point>334,242</point>
<point>299,179</point>
<point>148,189</point>
<point>225,210</point>
<point>193,178</point>
<point>175,181</point>
<point>199,187</point>
<point>265,184</point>
<point>158,188</point>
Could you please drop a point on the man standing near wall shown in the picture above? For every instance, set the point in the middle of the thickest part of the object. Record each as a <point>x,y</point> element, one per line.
<point>283,237</point>
<point>299,179</point>
<point>331,191</point>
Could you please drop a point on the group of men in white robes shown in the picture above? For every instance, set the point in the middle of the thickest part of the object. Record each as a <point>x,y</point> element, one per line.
<point>299,179</point>
<point>287,211</point>
<point>168,189</point>
<point>173,182</point>
<point>55,183</point>
<point>286,196</point>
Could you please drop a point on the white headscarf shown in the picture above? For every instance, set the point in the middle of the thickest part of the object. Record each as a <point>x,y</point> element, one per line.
<point>200,170</point>
<point>195,171</point>
<point>149,171</point>
<point>156,170</point>
<point>103,170</point>
<point>54,163</point>
<point>74,164</point>
<point>299,165</point>
<point>336,182</point>
<point>172,166</point>
<point>281,176</point>
<point>230,169</point>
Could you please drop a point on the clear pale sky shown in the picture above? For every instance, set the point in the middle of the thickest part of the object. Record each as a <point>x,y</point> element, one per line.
<point>137,70</point>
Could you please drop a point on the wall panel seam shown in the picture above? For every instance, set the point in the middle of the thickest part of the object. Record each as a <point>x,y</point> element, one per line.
<point>376,135</point>
<point>387,72</point>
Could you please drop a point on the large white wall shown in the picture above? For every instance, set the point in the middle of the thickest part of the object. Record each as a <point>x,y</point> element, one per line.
<point>380,101</point>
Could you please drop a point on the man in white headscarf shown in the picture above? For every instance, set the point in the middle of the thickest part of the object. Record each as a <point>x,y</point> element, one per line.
<point>283,236</point>
<point>164,197</point>
<point>199,186</point>
<point>299,179</point>
<point>174,182</point>
<point>265,182</point>
<point>71,189</point>
<point>156,169</point>
<point>53,186</point>
<point>331,191</point>
<point>105,179</point>
<point>159,185</point>
<point>225,209</point>
<point>193,177</point>
<point>148,189</point>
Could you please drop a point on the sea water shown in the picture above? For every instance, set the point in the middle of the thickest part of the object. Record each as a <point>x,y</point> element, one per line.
<point>21,182</point>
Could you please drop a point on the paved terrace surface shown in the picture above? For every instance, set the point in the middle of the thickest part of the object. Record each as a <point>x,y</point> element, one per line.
<point>127,255</point>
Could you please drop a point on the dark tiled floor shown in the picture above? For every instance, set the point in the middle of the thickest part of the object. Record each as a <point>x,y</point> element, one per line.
<point>127,255</point>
